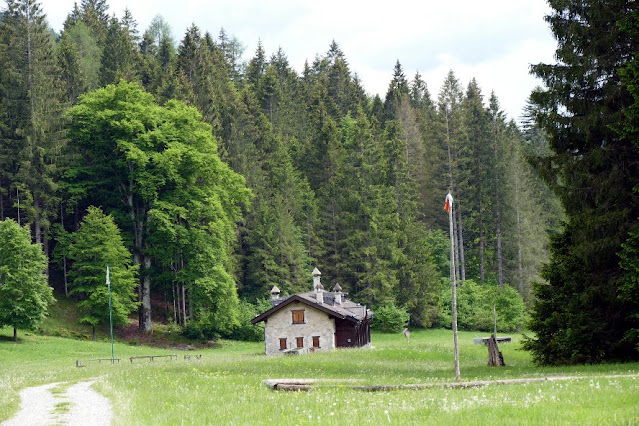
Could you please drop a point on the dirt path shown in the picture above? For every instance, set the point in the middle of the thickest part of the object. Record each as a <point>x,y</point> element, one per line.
<point>78,405</point>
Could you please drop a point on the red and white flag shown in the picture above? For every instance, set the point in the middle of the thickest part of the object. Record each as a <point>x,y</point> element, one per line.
<point>449,202</point>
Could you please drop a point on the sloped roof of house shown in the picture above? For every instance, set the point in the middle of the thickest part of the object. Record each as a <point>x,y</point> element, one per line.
<point>347,310</point>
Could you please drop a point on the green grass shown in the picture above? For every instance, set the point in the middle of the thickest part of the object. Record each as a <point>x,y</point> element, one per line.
<point>62,321</point>
<point>226,386</point>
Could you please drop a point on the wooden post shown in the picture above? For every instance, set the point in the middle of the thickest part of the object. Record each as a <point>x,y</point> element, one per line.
<point>453,285</point>
<point>495,358</point>
<point>494,320</point>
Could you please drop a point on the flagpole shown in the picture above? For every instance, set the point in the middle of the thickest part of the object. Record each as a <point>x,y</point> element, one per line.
<point>108,280</point>
<point>449,208</point>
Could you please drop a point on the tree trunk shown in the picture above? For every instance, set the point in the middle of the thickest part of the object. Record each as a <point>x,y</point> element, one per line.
<point>37,229</point>
<point>15,334</point>
<point>500,266</point>
<point>93,333</point>
<point>480,218</point>
<point>45,248</point>
<point>457,254</point>
<point>495,358</point>
<point>482,271</point>
<point>138,217</point>
<point>166,306</point>
<point>18,200</point>
<point>64,258</point>
<point>460,232</point>
<point>175,306</point>
<point>183,305</point>
<point>334,226</point>
<point>146,296</point>
<point>520,269</point>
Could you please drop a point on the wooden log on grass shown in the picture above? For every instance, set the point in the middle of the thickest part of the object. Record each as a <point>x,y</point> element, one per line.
<point>292,387</point>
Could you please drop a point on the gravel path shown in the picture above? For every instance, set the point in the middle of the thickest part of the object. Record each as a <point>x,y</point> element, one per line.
<point>80,405</point>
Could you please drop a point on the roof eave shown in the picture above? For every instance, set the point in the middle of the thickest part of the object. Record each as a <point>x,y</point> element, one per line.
<point>295,297</point>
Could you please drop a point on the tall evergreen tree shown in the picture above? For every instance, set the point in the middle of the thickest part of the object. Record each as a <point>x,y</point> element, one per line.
<point>80,59</point>
<point>454,140</point>
<point>96,245</point>
<point>397,90</point>
<point>120,57</point>
<point>481,186</point>
<point>94,14</point>
<point>32,104</point>
<point>578,315</point>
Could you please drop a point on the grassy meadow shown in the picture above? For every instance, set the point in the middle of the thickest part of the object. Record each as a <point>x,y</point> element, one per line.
<point>225,385</point>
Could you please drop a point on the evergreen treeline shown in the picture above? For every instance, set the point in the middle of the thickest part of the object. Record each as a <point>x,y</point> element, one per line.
<point>341,180</point>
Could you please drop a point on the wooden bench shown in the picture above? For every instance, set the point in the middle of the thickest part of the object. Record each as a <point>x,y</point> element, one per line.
<point>152,358</point>
<point>82,362</point>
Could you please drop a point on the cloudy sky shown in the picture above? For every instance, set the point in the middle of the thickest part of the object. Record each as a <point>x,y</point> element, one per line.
<point>494,41</point>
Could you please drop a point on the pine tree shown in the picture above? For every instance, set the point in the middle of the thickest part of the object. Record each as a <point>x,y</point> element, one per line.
<point>96,245</point>
<point>31,98</point>
<point>482,185</point>
<point>273,246</point>
<point>94,14</point>
<point>120,58</point>
<point>498,142</point>
<point>434,156</point>
<point>453,138</point>
<point>578,315</point>
<point>397,90</point>
<point>80,59</point>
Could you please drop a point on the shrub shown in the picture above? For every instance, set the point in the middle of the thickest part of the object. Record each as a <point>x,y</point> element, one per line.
<point>389,319</point>
<point>246,312</point>
<point>192,331</point>
<point>202,331</point>
<point>475,307</point>
<point>170,328</point>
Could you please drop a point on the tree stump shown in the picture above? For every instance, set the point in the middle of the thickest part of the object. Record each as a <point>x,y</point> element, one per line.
<point>495,358</point>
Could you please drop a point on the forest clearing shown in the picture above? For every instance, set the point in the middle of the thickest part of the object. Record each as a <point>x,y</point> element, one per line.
<point>163,180</point>
<point>226,384</point>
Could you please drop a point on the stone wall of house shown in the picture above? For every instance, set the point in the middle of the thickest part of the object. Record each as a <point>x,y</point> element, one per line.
<point>316,323</point>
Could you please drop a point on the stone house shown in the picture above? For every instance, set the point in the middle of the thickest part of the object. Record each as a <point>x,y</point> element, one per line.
<point>318,320</point>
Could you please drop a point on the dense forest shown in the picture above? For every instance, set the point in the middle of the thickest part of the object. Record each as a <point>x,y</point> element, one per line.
<point>227,177</point>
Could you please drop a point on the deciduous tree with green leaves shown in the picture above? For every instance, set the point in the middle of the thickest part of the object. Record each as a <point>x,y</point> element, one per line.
<point>24,293</point>
<point>157,169</point>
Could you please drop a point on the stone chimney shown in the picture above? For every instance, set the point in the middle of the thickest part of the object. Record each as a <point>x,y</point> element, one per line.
<point>337,290</point>
<point>275,293</point>
<point>317,286</point>
<point>316,278</point>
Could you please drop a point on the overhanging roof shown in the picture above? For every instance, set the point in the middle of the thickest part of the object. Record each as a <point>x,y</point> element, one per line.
<point>331,310</point>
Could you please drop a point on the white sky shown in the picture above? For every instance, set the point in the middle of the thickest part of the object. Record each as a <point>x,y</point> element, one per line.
<point>494,41</point>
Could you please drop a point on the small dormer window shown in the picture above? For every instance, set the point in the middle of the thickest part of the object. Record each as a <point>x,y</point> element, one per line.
<point>298,316</point>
